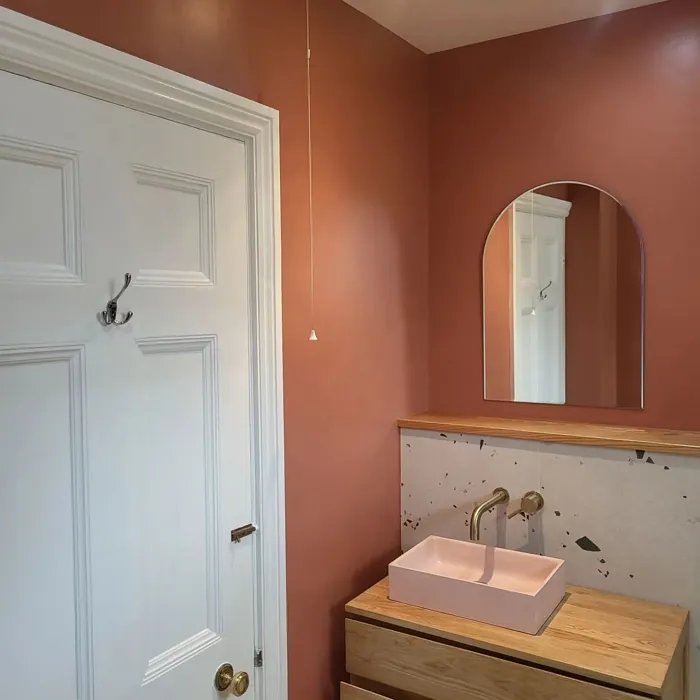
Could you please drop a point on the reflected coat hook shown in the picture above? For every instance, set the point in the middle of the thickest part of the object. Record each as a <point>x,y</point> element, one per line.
<point>543,296</point>
<point>109,315</point>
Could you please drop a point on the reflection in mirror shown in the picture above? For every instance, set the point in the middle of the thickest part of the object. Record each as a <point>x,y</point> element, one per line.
<point>563,300</point>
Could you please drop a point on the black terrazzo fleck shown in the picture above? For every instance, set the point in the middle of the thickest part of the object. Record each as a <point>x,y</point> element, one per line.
<point>587,544</point>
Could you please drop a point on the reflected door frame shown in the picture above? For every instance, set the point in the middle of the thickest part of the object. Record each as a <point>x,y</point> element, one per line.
<point>528,286</point>
<point>42,52</point>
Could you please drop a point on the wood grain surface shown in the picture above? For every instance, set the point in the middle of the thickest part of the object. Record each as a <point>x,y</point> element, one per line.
<point>437,671</point>
<point>383,691</point>
<point>656,440</point>
<point>607,638</point>
<point>676,685</point>
<point>352,692</point>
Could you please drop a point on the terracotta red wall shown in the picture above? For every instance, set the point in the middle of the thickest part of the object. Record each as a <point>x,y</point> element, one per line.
<point>630,266</point>
<point>343,393</point>
<point>607,299</point>
<point>498,308</point>
<point>612,101</point>
<point>559,190</point>
<point>585,292</point>
<point>603,302</point>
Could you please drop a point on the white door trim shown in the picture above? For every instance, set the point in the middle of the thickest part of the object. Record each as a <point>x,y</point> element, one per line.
<point>43,52</point>
<point>542,205</point>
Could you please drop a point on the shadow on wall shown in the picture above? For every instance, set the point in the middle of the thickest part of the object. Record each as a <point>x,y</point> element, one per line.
<point>363,579</point>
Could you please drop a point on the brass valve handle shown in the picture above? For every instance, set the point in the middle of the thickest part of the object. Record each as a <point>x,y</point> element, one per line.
<point>531,503</point>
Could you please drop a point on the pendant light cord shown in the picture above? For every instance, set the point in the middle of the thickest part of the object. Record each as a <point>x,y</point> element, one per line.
<point>311,177</point>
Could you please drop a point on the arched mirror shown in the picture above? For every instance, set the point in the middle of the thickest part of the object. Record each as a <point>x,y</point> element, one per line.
<point>563,293</point>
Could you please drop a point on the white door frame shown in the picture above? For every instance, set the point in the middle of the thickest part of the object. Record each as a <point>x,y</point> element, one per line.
<point>40,51</point>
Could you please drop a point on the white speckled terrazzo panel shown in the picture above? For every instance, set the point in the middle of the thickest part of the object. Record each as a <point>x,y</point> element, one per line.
<point>443,477</point>
<point>625,521</point>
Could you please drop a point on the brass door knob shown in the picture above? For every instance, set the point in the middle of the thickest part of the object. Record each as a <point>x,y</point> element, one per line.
<point>225,679</point>
<point>240,684</point>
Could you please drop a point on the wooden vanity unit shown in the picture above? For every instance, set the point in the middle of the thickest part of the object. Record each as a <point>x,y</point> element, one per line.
<point>596,646</point>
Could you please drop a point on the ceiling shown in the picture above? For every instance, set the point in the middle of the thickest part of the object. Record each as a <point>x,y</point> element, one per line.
<point>437,25</point>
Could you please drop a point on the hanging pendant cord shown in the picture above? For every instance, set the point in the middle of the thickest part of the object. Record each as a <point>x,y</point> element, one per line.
<point>311,177</point>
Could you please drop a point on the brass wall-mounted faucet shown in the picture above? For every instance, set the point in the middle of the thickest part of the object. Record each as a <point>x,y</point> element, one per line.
<point>500,495</point>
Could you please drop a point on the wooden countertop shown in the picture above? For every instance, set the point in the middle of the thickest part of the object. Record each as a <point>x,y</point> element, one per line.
<point>607,638</point>
<point>655,440</point>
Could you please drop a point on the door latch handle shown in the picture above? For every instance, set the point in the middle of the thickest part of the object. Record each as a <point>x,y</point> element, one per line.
<point>240,532</point>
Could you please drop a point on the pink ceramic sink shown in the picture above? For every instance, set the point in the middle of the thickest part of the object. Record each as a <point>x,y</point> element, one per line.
<point>488,584</point>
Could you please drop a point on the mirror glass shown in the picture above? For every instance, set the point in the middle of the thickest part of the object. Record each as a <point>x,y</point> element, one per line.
<point>563,300</point>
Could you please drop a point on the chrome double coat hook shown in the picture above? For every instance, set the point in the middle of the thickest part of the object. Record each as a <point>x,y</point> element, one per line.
<point>109,315</point>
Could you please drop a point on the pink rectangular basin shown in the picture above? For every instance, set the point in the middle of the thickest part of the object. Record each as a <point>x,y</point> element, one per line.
<point>487,584</point>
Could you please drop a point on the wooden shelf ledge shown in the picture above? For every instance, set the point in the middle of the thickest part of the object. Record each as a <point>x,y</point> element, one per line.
<point>651,439</point>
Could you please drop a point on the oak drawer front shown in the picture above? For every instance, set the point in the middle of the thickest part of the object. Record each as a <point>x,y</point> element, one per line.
<point>352,692</point>
<point>441,672</point>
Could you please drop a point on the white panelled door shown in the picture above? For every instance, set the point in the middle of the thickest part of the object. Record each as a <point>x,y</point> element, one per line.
<point>539,314</point>
<point>125,450</point>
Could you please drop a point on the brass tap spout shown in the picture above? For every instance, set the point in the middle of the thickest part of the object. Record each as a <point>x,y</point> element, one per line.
<point>500,495</point>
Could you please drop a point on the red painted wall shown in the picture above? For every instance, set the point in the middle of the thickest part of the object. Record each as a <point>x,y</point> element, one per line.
<point>586,302</point>
<point>613,101</point>
<point>343,393</point>
<point>498,310</point>
<point>630,267</point>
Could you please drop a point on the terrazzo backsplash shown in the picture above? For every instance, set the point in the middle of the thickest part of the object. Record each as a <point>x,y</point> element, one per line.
<point>625,521</point>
